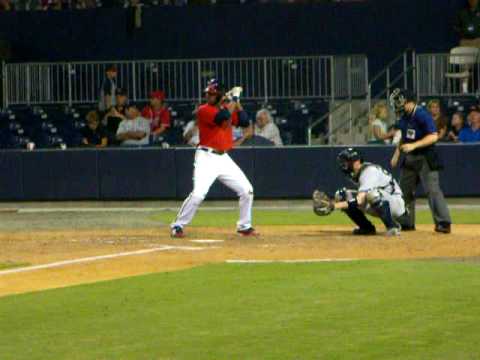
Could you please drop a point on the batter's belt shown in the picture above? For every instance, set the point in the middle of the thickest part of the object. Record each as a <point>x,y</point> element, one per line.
<point>210,150</point>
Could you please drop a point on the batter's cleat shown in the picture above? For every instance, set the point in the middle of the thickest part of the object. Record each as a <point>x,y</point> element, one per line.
<point>394,231</point>
<point>248,232</point>
<point>177,232</point>
<point>444,228</point>
<point>365,231</point>
<point>408,228</point>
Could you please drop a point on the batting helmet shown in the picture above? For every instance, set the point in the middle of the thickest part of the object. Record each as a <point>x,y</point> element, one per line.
<point>214,87</point>
<point>346,158</point>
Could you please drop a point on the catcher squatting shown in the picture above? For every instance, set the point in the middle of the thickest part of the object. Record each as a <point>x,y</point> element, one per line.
<point>377,194</point>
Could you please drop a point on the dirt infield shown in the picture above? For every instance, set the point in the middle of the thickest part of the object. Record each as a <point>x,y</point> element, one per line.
<point>275,243</point>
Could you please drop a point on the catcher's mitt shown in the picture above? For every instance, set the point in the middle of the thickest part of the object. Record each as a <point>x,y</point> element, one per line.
<point>322,204</point>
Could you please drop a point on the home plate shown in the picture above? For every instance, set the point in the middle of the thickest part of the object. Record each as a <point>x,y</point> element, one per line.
<point>206,241</point>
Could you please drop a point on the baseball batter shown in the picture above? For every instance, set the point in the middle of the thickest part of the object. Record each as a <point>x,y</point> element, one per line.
<point>215,120</point>
<point>378,194</point>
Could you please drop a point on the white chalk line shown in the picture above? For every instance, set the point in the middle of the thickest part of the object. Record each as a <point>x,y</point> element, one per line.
<point>206,241</point>
<point>213,209</point>
<point>100,257</point>
<point>286,261</point>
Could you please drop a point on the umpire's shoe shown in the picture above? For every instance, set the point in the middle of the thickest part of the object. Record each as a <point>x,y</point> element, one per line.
<point>444,228</point>
<point>177,232</point>
<point>365,231</point>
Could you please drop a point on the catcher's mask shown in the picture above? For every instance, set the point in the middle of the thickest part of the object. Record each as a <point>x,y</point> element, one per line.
<point>214,87</point>
<point>345,160</point>
<point>398,99</point>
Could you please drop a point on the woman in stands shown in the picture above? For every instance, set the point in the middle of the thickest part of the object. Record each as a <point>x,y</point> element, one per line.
<point>440,120</point>
<point>377,125</point>
<point>458,123</point>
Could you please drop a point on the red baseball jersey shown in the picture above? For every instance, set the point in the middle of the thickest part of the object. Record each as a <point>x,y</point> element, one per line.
<point>218,137</point>
<point>157,117</point>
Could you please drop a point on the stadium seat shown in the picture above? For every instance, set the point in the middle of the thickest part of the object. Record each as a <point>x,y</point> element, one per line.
<point>461,60</point>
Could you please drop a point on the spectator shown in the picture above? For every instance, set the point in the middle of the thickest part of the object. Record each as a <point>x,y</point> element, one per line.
<point>121,100</point>
<point>237,133</point>
<point>191,134</point>
<point>117,113</point>
<point>158,115</point>
<point>377,125</point>
<point>265,127</point>
<point>472,133</point>
<point>471,112</point>
<point>94,134</point>
<point>458,124</point>
<point>467,24</point>
<point>107,92</point>
<point>51,4</point>
<point>112,3</point>
<point>440,120</point>
<point>6,5</point>
<point>134,130</point>
<point>84,4</point>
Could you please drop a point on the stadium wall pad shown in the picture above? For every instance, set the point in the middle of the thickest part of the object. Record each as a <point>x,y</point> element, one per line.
<point>378,28</point>
<point>134,174</point>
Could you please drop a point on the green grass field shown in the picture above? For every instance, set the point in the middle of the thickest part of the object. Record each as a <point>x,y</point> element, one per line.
<point>358,310</point>
<point>303,217</point>
<point>355,310</point>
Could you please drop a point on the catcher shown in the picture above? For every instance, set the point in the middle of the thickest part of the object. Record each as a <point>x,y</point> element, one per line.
<point>378,194</point>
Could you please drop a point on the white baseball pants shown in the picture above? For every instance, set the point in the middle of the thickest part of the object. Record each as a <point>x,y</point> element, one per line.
<point>397,205</point>
<point>208,167</point>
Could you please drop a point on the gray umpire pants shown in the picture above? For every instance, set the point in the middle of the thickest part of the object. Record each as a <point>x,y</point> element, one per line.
<point>416,169</point>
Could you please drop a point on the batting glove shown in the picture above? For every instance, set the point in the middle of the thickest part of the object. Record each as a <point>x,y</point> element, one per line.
<point>234,93</point>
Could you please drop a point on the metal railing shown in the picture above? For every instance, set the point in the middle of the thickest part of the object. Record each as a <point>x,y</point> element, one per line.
<point>323,77</point>
<point>357,71</point>
<point>350,122</point>
<point>400,72</point>
<point>3,84</point>
<point>432,78</point>
<point>326,117</point>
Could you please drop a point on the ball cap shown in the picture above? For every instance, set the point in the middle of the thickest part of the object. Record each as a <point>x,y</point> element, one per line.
<point>158,94</point>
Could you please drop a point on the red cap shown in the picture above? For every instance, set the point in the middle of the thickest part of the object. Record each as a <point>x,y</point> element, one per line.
<point>160,95</point>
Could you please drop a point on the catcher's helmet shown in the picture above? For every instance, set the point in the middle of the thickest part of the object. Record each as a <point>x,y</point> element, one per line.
<point>346,158</point>
<point>398,99</point>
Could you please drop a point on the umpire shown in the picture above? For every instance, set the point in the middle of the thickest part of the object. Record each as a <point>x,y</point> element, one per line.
<point>421,162</point>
